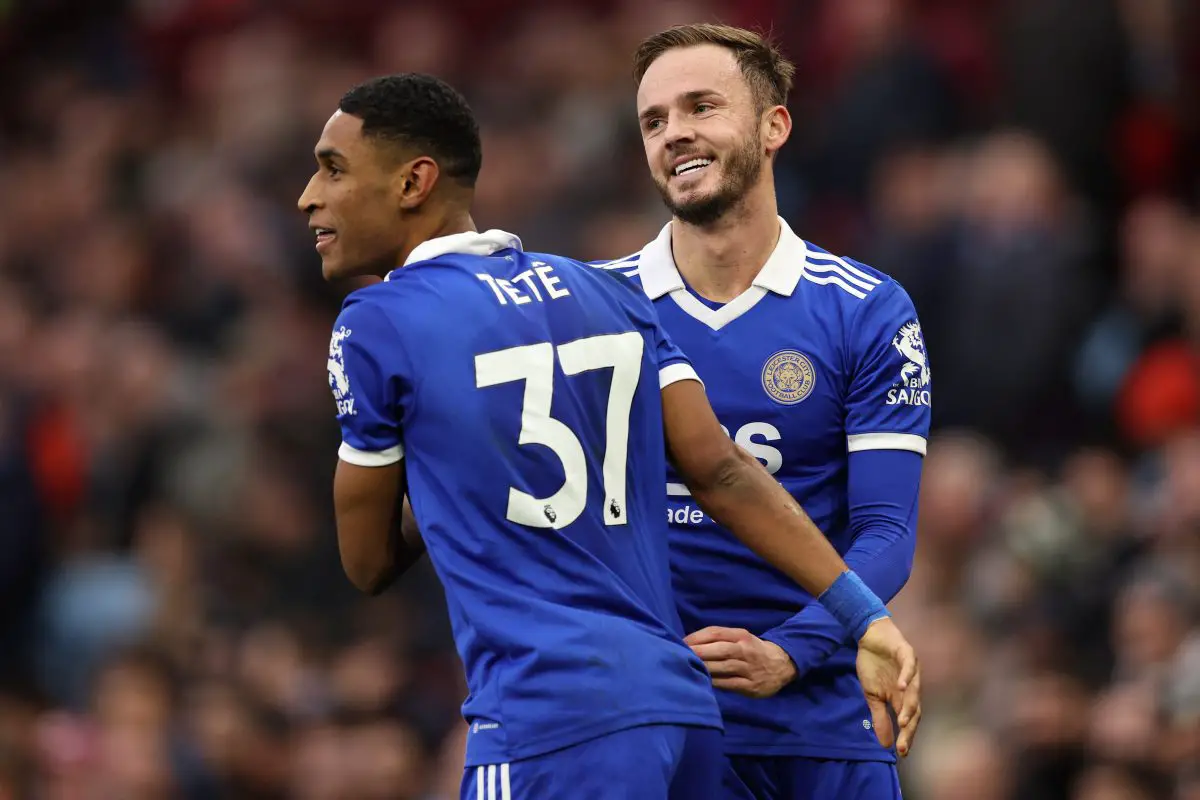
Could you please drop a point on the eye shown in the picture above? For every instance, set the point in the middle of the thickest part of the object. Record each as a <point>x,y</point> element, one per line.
<point>703,107</point>
<point>653,124</point>
<point>332,171</point>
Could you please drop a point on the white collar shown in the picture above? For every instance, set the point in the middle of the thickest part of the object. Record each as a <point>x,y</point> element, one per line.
<point>468,243</point>
<point>783,270</point>
<point>780,274</point>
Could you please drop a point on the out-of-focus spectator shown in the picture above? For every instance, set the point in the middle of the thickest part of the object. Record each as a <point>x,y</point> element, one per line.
<point>912,235</point>
<point>1153,240</point>
<point>973,766</point>
<point>1065,78</point>
<point>1019,296</point>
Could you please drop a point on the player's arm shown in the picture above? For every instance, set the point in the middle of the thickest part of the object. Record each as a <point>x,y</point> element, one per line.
<point>887,424</point>
<point>367,502</point>
<point>737,491</point>
<point>883,488</point>
<point>366,375</point>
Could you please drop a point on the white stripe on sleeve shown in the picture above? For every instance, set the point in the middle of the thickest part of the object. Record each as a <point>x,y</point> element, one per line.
<point>505,788</point>
<point>491,795</point>
<point>479,783</point>
<point>366,458</point>
<point>833,269</point>
<point>825,280</point>
<point>846,265</point>
<point>673,373</point>
<point>885,441</point>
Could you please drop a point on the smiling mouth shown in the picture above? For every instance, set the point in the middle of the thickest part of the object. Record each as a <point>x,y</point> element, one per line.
<point>324,237</point>
<point>692,167</point>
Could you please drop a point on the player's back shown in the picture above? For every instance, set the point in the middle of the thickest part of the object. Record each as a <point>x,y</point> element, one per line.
<point>530,408</point>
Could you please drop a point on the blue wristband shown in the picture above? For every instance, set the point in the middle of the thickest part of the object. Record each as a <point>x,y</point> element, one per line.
<point>853,604</point>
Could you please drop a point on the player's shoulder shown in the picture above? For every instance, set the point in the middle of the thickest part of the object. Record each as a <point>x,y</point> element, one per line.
<point>425,286</point>
<point>423,271</point>
<point>847,283</point>
<point>626,266</point>
<point>367,315</point>
<point>379,299</point>
<point>415,293</point>
<point>625,270</point>
<point>617,277</point>
<point>838,278</point>
<point>371,298</point>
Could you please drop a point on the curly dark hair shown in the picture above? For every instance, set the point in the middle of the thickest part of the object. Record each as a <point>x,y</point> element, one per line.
<point>420,111</point>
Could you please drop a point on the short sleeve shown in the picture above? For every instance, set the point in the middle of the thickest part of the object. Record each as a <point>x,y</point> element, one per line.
<point>890,389</point>
<point>364,374</point>
<point>673,365</point>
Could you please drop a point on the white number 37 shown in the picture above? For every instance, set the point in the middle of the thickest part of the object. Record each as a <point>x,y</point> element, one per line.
<point>534,364</point>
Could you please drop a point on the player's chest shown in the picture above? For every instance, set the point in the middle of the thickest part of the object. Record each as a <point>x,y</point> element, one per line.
<point>779,391</point>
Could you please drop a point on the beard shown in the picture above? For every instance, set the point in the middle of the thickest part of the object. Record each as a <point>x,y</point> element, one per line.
<point>742,168</point>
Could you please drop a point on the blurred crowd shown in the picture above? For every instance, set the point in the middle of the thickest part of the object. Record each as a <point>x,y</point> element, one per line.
<point>173,618</point>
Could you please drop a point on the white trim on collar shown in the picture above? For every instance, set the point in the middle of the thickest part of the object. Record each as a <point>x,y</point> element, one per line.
<point>783,270</point>
<point>656,266</point>
<point>468,243</point>
<point>785,267</point>
<point>780,274</point>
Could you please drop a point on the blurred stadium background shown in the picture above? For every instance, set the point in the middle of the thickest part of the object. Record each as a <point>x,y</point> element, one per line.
<point>173,618</point>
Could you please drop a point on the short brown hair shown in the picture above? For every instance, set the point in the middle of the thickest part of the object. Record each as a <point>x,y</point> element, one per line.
<point>763,65</point>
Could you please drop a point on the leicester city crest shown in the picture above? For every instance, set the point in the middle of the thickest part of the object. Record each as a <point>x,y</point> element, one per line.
<point>788,377</point>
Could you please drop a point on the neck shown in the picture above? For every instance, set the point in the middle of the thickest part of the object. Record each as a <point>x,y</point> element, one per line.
<point>721,260</point>
<point>444,221</point>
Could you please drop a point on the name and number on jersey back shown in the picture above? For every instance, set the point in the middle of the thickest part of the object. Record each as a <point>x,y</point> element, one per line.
<point>505,292</point>
<point>523,393</point>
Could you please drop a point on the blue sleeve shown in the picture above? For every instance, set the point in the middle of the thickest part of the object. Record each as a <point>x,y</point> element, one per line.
<point>366,370</point>
<point>673,365</point>
<point>888,397</point>
<point>883,489</point>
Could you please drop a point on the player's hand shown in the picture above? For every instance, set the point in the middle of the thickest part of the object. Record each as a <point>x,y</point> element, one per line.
<point>891,680</point>
<point>741,662</point>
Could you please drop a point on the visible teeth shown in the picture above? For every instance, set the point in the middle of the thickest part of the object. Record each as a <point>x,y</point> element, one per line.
<point>695,163</point>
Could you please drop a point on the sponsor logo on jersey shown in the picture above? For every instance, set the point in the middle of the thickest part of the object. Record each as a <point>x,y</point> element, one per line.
<point>339,383</point>
<point>788,377</point>
<point>912,389</point>
<point>753,437</point>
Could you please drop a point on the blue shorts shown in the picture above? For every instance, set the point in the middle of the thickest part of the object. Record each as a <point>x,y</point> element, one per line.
<point>790,778</point>
<point>636,763</point>
<point>701,767</point>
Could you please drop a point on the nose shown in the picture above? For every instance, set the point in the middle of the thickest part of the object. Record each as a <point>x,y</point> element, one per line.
<point>309,200</point>
<point>679,131</point>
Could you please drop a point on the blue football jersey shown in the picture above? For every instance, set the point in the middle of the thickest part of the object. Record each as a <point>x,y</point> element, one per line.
<point>523,392</point>
<point>820,357</point>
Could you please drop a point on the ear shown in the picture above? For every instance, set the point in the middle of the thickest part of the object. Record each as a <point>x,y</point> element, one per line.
<point>775,129</point>
<point>415,181</point>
